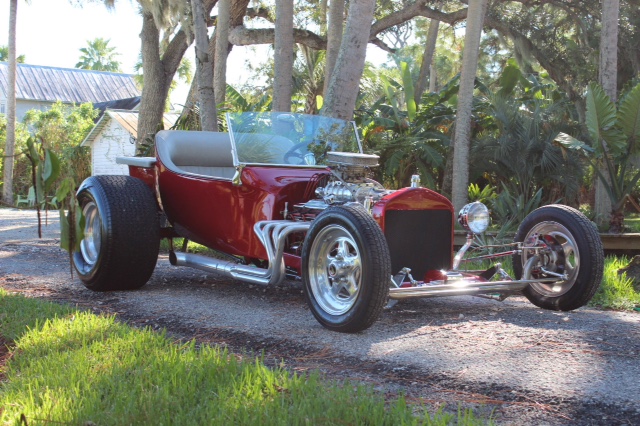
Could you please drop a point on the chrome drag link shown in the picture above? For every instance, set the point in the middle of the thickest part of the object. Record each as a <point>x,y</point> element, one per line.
<point>272,234</point>
<point>463,287</point>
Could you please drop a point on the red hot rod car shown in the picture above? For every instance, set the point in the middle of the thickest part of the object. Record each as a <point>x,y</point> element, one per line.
<point>290,196</point>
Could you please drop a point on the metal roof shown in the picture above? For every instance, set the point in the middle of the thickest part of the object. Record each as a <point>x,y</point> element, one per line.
<point>40,83</point>
<point>128,104</point>
<point>128,120</point>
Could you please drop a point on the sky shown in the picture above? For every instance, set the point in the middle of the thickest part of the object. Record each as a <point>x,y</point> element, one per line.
<point>51,33</point>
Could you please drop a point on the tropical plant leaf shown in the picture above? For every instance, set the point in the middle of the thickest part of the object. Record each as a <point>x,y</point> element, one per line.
<point>64,230</point>
<point>601,113</point>
<point>409,94</point>
<point>39,183</point>
<point>65,189</point>
<point>428,153</point>
<point>51,169</point>
<point>509,79</point>
<point>236,98</point>
<point>33,152</point>
<point>629,113</point>
<point>566,141</point>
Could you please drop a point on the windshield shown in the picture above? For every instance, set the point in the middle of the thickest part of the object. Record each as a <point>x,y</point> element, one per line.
<point>289,139</point>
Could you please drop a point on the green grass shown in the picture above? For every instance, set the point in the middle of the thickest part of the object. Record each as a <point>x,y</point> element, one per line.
<point>191,246</point>
<point>73,367</point>
<point>616,291</point>
<point>632,223</point>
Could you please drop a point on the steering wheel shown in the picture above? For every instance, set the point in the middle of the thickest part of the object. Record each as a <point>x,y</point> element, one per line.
<point>296,152</point>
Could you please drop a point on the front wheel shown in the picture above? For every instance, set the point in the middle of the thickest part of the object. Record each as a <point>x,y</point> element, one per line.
<point>559,240</point>
<point>346,269</point>
<point>121,234</point>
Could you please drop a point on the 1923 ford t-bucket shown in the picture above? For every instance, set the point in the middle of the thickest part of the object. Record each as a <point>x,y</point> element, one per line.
<point>290,195</point>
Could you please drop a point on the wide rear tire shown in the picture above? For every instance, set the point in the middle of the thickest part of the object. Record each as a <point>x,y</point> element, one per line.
<point>122,233</point>
<point>572,246</point>
<point>346,269</point>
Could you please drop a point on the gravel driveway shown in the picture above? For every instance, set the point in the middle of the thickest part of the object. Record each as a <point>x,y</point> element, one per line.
<point>510,360</point>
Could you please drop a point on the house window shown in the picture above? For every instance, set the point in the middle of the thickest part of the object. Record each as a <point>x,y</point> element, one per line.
<point>3,108</point>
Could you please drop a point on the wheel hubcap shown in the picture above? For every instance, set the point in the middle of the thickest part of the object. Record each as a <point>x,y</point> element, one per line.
<point>559,254</point>
<point>90,245</point>
<point>335,270</point>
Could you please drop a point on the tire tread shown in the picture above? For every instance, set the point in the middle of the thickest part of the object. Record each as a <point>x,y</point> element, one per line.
<point>130,215</point>
<point>589,280</point>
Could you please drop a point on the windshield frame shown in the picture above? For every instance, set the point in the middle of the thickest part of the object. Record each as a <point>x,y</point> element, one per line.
<point>234,147</point>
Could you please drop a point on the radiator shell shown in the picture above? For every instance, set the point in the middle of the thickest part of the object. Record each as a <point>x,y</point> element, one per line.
<point>418,226</point>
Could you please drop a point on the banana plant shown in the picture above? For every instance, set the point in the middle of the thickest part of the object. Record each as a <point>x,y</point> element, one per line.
<point>613,131</point>
<point>45,172</point>
<point>45,169</point>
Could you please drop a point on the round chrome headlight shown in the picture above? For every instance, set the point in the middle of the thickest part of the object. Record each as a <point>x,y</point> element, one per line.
<point>474,217</point>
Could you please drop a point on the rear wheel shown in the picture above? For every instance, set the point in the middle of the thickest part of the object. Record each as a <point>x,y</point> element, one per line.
<point>567,244</point>
<point>121,234</point>
<point>346,269</point>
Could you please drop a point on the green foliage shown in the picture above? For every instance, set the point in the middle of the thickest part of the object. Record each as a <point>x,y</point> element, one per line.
<point>408,142</point>
<point>79,368</point>
<point>486,195</point>
<point>4,55</point>
<point>237,102</point>
<point>61,129</point>
<point>616,290</point>
<point>99,56</point>
<point>613,134</point>
<point>509,210</point>
<point>21,167</point>
<point>71,217</point>
<point>516,149</point>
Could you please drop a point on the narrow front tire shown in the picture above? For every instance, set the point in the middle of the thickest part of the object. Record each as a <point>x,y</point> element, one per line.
<point>568,244</point>
<point>346,269</point>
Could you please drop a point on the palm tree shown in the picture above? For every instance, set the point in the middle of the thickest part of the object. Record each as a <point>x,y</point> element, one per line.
<point>309,81</point>
<point>342,93</point>
<point>99,56</point>
<point>608,72</point>
<point>204,69</point>
<point>7,189</point>
<point>283,57</point>
<point>462,138</point>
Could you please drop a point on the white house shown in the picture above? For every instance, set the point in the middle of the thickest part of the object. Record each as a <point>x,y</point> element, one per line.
<point>38,87</point>
<point>114,135</point>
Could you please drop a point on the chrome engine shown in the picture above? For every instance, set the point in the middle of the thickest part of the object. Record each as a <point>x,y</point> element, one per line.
<point>349,182</point>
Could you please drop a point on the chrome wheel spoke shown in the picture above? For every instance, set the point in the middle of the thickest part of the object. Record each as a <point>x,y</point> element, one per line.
<point>335,277</point>
<point>560,255</point>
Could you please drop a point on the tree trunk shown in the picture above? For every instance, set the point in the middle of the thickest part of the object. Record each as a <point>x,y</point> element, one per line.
<point>608,73</point>
<point>433,77</point>
<point>427,59</point>
<point>343,88</point>
<point>322,19</point>
<point>158,73</point>
<point>283,57</point>
<point>221,50</point>
<point>155,88</point>
<point>334,39</point>
<point>10,143</point>
<point>460,178</point>
<point>204,69</point>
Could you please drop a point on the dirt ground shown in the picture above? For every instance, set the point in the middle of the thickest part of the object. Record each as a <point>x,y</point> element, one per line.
<point>508,360</point>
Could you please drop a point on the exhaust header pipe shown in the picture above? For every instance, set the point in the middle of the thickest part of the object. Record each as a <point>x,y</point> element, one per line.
<point>272,234</point>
